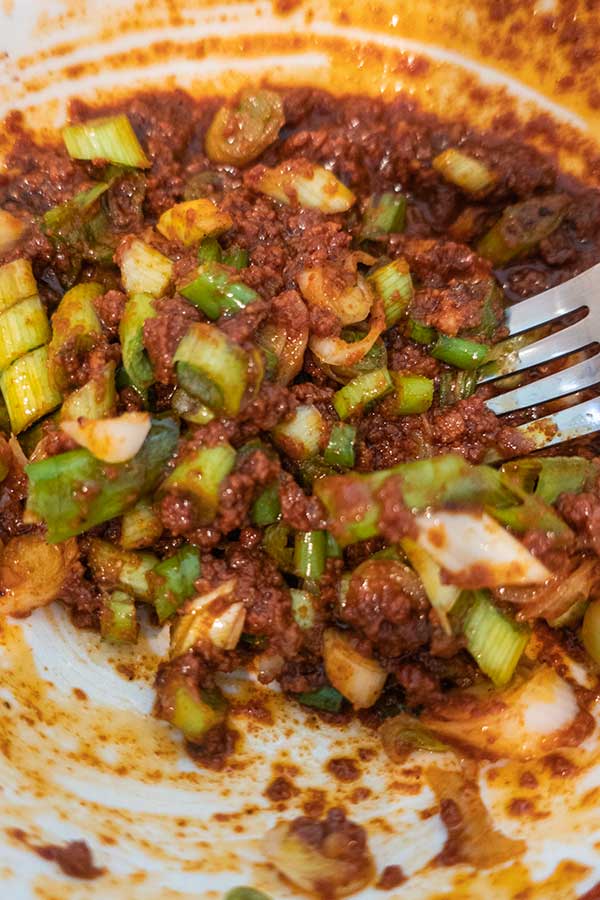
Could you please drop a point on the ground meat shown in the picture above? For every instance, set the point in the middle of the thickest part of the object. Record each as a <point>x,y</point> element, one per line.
<point>457,307</point>
<point>391,877</point>
<point>163,333</point>
<point>110,307</point>
<point>582,512</point>
<point>81,597</point>
<point>299,511</point>
<point>75,859</point>
<point>386,603</point>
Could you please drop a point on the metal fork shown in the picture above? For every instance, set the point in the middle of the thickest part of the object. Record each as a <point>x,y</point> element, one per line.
<point>581,292</point>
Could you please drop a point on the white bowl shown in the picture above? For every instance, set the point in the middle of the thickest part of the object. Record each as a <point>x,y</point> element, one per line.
<point>80,755</point>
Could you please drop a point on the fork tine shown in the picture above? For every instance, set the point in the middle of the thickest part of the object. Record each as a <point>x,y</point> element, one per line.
<point>568,381</point>
<point>576,421</point>
<point>555,302</point>
<point>576,337</point>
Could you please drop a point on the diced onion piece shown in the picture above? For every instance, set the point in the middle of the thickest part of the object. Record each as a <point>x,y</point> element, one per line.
<point>307,184</point>
<point>226,629</point>
<point>28,389</point>
<point>326,287</point>
<point>144,270</point>
<point>301,436</point>
<point>32,572</point>
<point>199,618</point>
<point>191,221</point>
<point>11,230</point>
<point>358,678</point>
<point>337,352</point>
<point>111,440</point>
<point>476,551</point>
<point>240,133</point>
<point>523,722</point>
<point>111,138</point>
<point>464,171</point>
<point>16,283</point>
<point>312,869</point>
<point>441,596</point>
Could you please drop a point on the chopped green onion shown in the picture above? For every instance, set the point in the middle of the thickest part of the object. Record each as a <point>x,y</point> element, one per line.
<point>303,609</point>
<point>73,491</point>
<point>111,138</point>
<point>23,327</point>
<point>144,270</point>
<point>301,436</point>
<point>95,399</point>
<point>464,171</point>
<point>393,284</point>
<point>215,291</point>
<point>276,543</point>
<point>141,525</point>
<point>77,229</point>
<point>190,408</point>
<point>332,549</point>
<point>75,326</point>
<point>421,334</point>
<point>245,893</point>
<point>340,449</point>
<point>456,386</point>
<point>266,509</point>
<point>11,229</point>
<point>412,394</point>
<point>16,283</point>
<point>310,554</point>
<point>549,477</point>
<point>138,309</point>
<point>240,133</point>
<point>193,220</point>
<point>173,579</point>
<point>193,711</point>
<point>306,184</point>
<point>122,569</point>
<point>522,226</point>
<point>354,511</point>
<point>200,476</point>
<point>212,368</point>
<point>118,619</point>
<point>362,390</point>
<point>28,389</point>
<point>495,641</point>
<point>236,257</point>
<point>383,215</point>
<point>326,698</point>
<point>209,251</point>
<point>459,352</point>
<point>403,734</point>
